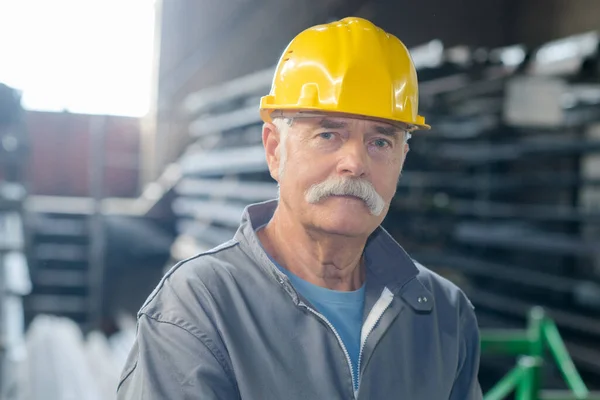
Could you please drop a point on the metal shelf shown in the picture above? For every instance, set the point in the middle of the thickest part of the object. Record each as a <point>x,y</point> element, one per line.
<point>209,211</point>
<point>61,278</point>
<point>58,304</point>
<point>485,153</point>
<point>61,252</point>
<point>205,233</point>
<point>57,226</point>
<point>242,190</point>
<point>493,182</point>
<point>225,161</point>
<point>521,237</point>
<point>507,211</point>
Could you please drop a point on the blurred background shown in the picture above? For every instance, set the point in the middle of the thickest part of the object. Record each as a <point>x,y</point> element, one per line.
<point>130,139</point>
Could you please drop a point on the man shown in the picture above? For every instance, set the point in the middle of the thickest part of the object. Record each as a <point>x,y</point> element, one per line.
<point>312,299</point>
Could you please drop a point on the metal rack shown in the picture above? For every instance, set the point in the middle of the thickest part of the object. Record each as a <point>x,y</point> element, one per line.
<point>60,266</point>
<point>66,247</point>
<point>508,209</point>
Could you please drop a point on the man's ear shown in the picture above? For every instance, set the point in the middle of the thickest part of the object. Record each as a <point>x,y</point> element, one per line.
<point>271,140</point>
<point>406,149</point>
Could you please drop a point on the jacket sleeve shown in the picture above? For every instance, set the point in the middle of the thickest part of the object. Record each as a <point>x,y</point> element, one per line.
<point>466,384</point>
<point>169,362</point>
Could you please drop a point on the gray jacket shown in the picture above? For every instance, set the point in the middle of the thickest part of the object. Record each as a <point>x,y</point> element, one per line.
<point>227,324</point>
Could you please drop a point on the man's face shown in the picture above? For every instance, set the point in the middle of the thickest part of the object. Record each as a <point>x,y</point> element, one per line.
<point>337,174</point>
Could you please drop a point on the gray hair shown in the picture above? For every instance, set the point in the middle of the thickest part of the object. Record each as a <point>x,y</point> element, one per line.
<point>283,127</point>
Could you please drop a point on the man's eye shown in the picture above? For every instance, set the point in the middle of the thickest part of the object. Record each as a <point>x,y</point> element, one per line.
<point>326,135</point>
<point>382,143</point>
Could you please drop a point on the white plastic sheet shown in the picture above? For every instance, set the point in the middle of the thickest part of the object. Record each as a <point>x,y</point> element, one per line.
<point>62,364</point>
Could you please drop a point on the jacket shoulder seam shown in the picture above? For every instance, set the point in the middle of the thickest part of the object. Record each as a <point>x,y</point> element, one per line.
<point>224,246</point>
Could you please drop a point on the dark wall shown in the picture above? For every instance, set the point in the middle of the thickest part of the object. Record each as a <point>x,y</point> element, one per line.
<point>542,20</point>
<point>455,22</point>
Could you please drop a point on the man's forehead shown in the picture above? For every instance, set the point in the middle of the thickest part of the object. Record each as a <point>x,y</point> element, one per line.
<point>381,127</point>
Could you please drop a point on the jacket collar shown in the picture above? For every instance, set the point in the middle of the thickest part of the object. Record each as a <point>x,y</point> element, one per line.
<point>388,265</point>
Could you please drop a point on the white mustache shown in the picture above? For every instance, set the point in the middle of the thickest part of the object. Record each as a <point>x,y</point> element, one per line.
<point>360,188</point>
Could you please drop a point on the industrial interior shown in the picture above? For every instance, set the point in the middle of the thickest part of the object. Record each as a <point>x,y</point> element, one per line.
<point>502,196</point>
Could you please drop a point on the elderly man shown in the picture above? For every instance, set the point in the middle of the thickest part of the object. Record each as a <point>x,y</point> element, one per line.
<point>312,299</point>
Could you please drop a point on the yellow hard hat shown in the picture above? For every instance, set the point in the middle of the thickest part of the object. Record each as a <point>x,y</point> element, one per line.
<point>351,67</point>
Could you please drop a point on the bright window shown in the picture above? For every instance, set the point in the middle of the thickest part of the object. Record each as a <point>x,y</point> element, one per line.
<point>85,56</point>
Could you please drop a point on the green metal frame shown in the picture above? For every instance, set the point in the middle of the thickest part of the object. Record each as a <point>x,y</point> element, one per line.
<point>530,346</point>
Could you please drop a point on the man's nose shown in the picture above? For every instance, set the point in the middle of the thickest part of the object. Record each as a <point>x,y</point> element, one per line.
<point>353,160</point>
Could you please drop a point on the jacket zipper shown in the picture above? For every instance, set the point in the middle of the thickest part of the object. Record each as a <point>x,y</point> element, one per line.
<point>372,320</point>
<point>321,316</point>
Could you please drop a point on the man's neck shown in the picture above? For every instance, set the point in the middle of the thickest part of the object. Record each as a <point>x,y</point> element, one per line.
<point>326,260</point>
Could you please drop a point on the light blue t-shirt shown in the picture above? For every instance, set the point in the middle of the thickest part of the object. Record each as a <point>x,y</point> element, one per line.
<point>343,309</point>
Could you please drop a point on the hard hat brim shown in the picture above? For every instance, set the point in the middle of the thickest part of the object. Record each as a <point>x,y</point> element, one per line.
<point>267,115</point>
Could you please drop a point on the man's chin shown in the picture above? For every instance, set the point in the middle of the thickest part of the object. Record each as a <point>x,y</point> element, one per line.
<point>343,228</point>
<point>344,216</point>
